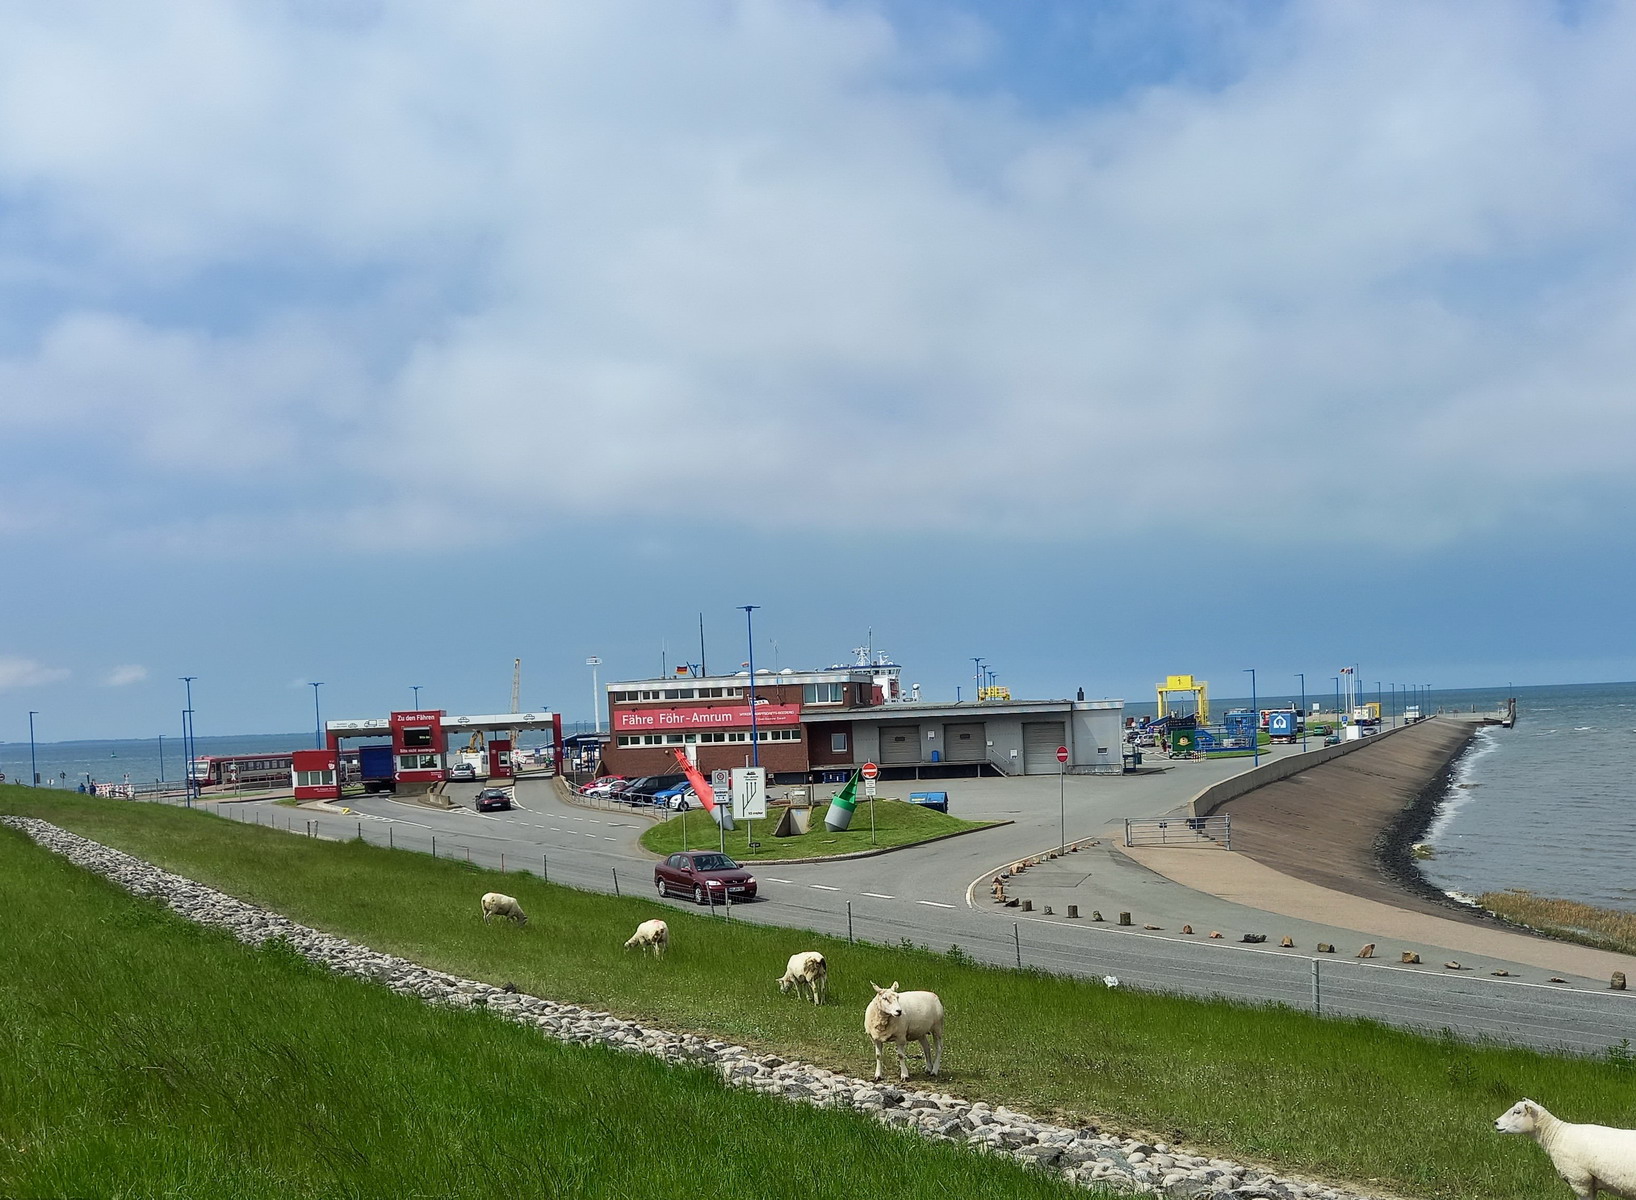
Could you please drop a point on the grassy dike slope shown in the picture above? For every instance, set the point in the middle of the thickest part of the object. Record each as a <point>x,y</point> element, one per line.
<point>1344,1099</point>
<point>141,1055</point>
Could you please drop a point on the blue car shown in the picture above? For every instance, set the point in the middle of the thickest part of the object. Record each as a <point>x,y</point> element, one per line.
<point>672,796</point>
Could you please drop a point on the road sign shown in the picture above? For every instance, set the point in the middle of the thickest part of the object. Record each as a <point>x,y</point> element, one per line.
<point>720,780</point>
<point>869,771</point>
<point>869,788</point>
<point>749,792</point>
<point>1062,754</point>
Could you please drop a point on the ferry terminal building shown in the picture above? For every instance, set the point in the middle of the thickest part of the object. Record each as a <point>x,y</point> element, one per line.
<point>812,726</point>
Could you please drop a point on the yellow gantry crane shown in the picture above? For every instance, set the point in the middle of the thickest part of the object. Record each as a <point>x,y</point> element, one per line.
<point>1186,683</point>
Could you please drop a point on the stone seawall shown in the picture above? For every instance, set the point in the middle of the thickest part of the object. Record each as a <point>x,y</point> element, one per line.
<point>1347,821</point>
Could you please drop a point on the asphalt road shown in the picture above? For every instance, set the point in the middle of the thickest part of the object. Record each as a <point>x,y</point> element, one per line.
<point>936,896</point>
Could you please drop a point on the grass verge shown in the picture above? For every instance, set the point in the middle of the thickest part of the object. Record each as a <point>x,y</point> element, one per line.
<point>896,824</point>
<point>1343,1099</point>
<point>1604,928</point>
<point>145,1056</point>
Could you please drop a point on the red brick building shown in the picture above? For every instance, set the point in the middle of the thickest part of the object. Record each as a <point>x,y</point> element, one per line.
<point>801,722</point>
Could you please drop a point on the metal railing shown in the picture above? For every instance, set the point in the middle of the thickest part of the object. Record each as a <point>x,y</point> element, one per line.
<point>1214,832</point>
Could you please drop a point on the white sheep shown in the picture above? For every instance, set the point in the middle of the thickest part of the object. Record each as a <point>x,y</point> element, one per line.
<point>807,967</point>
<point>1589,1157</point>
<point>902,1017</point>
<point>497,905</point>
<point>650,934</point>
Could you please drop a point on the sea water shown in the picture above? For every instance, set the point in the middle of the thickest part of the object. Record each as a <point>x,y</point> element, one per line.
<point>1550,805</point>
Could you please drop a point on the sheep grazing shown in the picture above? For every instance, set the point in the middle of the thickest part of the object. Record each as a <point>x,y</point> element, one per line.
<point>497,905</point>
<point>809,968</point>
<point>1590,1158</point>
<point>902,1017</point>
<point>650,935</point>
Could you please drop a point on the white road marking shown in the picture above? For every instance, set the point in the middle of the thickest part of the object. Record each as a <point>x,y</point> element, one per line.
<point>606,838</point>
<point>877,895</point>
<point>934,903</point>
<point>770,879</point>
<point>823,887</point>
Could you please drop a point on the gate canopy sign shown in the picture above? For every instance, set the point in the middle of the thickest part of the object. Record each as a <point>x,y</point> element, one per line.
<point>633,720</point>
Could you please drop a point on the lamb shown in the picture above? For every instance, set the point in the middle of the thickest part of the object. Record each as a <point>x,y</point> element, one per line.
<point>497,905</point>
<point>653,935</point>
<point>900,1017</point>
<point>807,967</point>
<point>1588,1157</point>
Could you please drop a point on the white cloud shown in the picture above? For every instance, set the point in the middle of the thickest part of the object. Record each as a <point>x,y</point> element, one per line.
<point>125,676</point>
<point>575,260</point>
<point>26,672</point>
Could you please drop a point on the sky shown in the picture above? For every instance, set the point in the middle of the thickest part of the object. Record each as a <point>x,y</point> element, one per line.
<point>380,345</point>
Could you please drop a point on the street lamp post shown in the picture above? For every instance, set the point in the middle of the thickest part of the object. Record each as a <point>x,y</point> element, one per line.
<point>755,732</point>
<point>1301,675</point>
<point>415,688</point>
<point>1255,719</point>
<point>191,785</point>
<point>596,700</point>
<point>317,721</point>
<point>33,767</point>
<point>977,664</point>
<point>1337,680</point>
<point>161,758</point>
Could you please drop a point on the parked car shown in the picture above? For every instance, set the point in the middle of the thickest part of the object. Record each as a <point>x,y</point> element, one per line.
<point>705,875</point>
<point>490,799</point>
<point>645,788</point>
<point>604,785</point>
<point>462,772</point>
<point>671,797</point>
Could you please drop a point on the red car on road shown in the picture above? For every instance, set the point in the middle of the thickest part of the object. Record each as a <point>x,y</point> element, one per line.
<point>705,875</point>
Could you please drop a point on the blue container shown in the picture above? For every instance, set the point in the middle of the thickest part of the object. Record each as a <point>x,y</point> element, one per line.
<point>937,756</point>
<point>937,800</point>
<point>1281,724</point>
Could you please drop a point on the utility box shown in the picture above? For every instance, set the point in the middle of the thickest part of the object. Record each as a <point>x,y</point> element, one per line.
<point>933,800</point>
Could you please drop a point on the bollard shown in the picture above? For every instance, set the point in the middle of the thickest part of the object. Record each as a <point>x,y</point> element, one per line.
<point>1073,912</point>
<point>849,940</point>
<point>1124,918</point>
<point>1028,906</point>
<point>434,845</point>
<point>360,831</point>
<point>502,862</point>
<point>615,871</point>
<point>1016,938</point>
<point>391,842</point>
<point>545,869</point>
<point>1617,982</point>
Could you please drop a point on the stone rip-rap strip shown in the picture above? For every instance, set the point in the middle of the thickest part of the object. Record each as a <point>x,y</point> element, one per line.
<point>1083,1156</point>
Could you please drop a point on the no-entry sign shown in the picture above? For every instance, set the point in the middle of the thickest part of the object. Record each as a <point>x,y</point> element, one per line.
<point>869,770</point>
<point>1062,754</point>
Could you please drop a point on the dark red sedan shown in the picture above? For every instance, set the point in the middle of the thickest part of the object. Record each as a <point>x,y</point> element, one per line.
<point>705,875</point>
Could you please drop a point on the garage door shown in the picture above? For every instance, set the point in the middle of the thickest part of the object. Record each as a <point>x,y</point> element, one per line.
<point>900,743</point>
<point>1040,742</point>
<point>965,743</point>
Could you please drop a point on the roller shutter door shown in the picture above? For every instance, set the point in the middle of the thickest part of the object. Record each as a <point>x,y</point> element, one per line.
<point>965,743</point>
<point>1040,742</point>
<point>900,743</point>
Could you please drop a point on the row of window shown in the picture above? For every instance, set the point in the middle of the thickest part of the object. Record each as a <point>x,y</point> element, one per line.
<point>690,693</point>
<point>315,779</point>
<point>824,693</point>
<point>688,739</point>
<point>420,762</point>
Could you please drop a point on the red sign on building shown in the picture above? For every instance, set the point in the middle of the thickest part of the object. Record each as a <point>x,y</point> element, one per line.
<point>658,720</point>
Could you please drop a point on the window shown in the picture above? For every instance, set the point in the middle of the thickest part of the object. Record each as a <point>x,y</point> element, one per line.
<point>418,762</point>
<point>652,694</point>
<point>673,739</point>
<point>779,735</point>
<point>653,739</point>
<point>629,739</point>
<point>739,736</point>
<point>837,742</point>
<point>712,737</point>
<point>624,696</point>
<point>315,779</point>
<point>678,693</point>
<point>824,693</point>
<point>710,693</point>
<point>417,738</point>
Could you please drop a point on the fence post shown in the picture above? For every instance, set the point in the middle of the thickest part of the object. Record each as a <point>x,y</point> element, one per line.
<point>502,862</point>
<point>391,842</point>
<point>360,831</point>
<point>1317,994</point>
<point>849,938</point>
<point>1227,830</point>
<point>615,871</point>
<point>545,869</point>
<point>434,845</point>
<point>1016,938</point>
<point>1127,831</point>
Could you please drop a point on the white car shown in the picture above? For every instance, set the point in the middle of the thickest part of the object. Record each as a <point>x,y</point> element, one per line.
<point>462,772</point>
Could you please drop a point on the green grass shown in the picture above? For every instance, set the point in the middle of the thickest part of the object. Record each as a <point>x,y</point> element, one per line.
<point>1342,1099</point>
<point>1604,928</point>
<point>896,824</point>
<point>143,1056</point>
